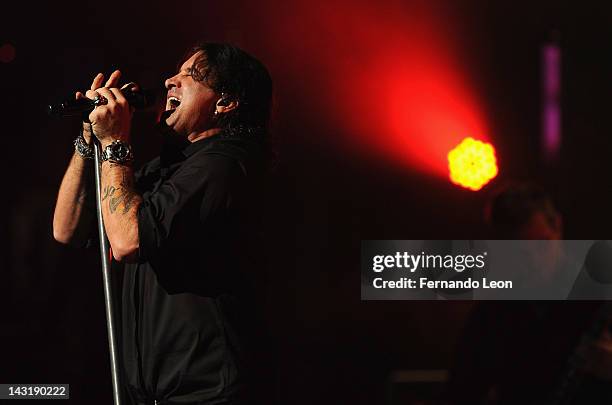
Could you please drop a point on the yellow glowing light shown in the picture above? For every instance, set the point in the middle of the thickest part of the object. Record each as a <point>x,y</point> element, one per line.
<point>472,164</point>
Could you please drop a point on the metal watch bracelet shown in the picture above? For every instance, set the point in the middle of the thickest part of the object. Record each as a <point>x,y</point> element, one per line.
<point>82,148</point>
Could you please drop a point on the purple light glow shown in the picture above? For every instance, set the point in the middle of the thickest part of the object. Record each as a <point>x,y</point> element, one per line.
<point>551,108</point>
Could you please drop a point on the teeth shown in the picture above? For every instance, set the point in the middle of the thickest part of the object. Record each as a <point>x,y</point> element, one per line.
<point>174,101</point>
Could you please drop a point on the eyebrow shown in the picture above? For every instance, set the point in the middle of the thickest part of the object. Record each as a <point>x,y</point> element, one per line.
<point>186,70</point>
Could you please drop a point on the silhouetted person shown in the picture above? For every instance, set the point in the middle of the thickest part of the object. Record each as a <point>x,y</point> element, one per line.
<point>516,352</point>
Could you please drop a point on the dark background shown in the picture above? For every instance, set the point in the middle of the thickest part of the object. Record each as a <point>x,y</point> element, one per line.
<point>329,195</point>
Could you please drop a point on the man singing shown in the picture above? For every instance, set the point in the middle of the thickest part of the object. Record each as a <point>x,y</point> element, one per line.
<point>184,226</point>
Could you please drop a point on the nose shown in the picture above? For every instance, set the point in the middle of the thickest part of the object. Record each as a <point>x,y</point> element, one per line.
<point>172,82</point>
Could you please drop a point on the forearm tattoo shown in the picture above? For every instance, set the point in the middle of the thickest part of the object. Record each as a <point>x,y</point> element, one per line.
<point>121,197</point>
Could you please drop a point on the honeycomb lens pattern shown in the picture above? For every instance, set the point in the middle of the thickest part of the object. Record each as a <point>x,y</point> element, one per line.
<point>472,164</point>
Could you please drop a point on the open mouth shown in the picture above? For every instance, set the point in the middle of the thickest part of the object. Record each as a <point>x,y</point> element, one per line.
<point>173,103</point>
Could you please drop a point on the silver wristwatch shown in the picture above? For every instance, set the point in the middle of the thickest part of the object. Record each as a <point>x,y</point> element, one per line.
<point>118,152</point>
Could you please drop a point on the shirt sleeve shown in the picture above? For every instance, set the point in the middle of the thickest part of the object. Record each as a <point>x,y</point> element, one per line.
<point>146,175</point>
<point>197,197</point>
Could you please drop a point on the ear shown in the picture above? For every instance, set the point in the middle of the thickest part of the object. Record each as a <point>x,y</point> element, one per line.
<point>225,104</point>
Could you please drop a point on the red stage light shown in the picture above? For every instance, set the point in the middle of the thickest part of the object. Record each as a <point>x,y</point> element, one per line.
<point>472,164</point>
<point>389,75</point>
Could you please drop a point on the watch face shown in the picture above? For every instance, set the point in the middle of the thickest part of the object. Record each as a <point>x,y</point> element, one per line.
<point>119,152</point>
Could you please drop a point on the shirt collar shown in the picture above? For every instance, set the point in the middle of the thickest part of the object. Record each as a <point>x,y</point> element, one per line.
<point>193,147</point>
<point>175,148</point>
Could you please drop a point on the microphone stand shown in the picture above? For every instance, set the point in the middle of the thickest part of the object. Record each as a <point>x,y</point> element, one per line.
<point>105,256</point>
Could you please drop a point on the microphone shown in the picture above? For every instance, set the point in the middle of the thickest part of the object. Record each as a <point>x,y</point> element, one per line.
<point>76,108</point>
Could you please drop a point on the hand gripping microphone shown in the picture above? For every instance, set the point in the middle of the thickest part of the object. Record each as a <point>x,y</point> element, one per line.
<point>77,107</point>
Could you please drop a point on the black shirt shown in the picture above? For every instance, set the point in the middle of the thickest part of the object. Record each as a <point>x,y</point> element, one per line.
<point>185,322</point>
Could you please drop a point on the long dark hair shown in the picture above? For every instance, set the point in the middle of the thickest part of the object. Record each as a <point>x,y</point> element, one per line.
<point>240,77</point>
